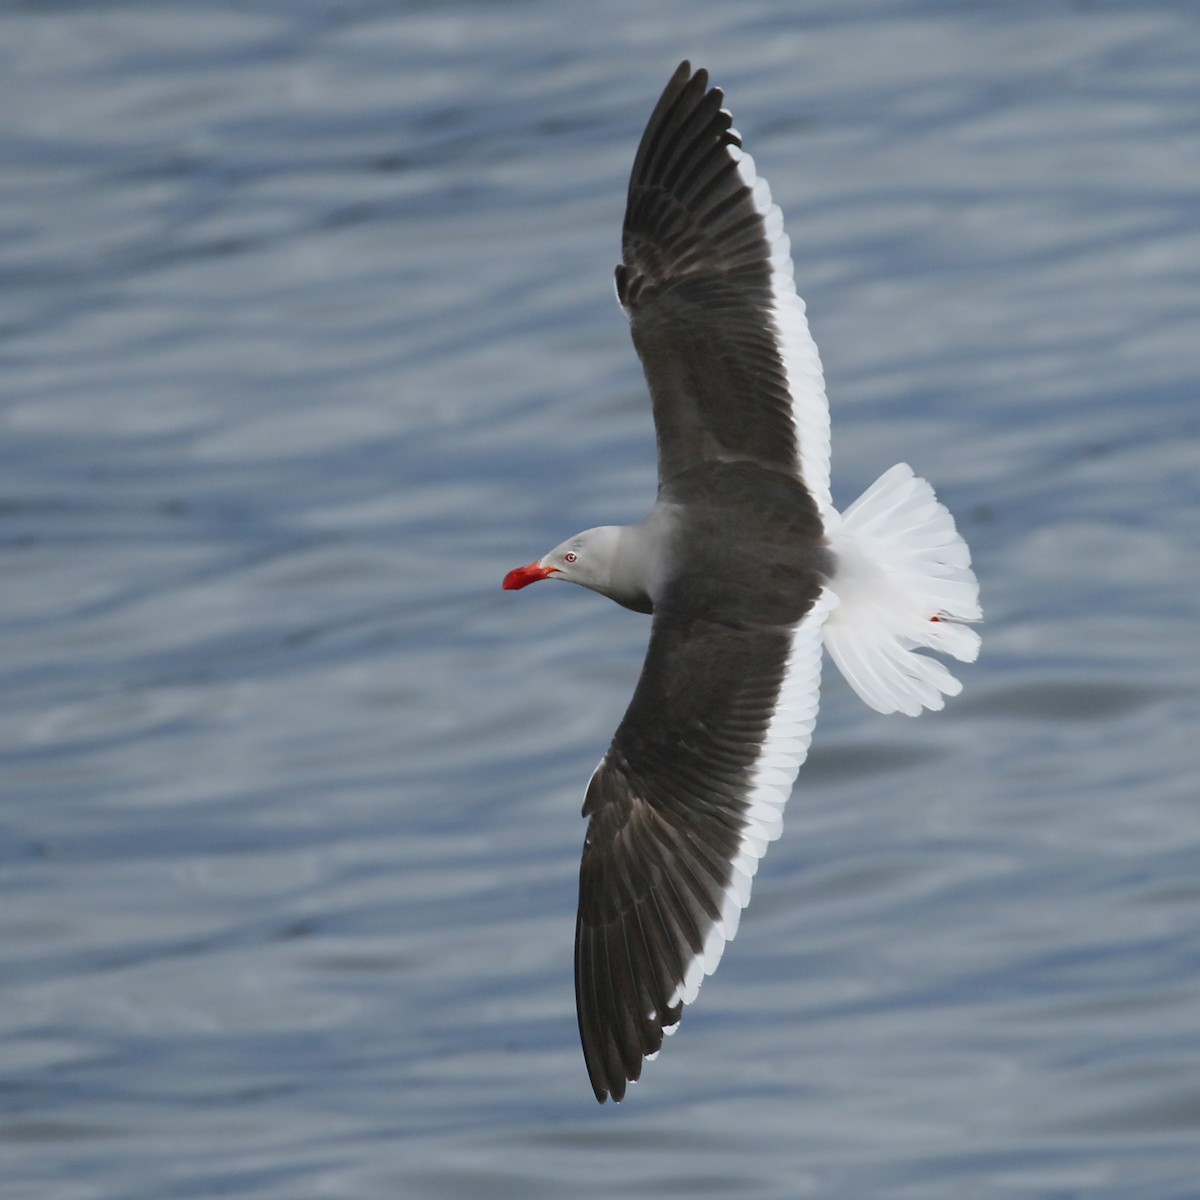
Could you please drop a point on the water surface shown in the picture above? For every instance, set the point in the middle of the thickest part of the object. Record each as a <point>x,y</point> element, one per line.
<point>309,336</point>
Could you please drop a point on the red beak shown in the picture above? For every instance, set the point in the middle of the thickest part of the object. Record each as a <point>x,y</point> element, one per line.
<point>520,577</point>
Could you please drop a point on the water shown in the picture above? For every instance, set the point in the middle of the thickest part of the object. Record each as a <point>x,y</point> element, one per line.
<point>309,336</point>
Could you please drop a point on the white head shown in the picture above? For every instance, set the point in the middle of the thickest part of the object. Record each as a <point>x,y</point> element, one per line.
<point>588,559</point>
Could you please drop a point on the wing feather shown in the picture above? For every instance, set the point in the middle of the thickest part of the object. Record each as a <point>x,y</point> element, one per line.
<point>680,810</point>
<point>706,278</point>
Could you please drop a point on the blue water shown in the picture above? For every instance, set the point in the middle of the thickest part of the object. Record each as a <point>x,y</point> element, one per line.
<point>308,336</point>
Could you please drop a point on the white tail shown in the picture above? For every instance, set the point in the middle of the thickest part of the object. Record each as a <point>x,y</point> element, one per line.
<point>904,583</point>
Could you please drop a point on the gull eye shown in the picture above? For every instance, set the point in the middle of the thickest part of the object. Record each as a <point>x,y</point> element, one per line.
<point>570,556</point>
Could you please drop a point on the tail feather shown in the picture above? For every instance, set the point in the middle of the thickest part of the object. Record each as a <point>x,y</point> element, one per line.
<point>904,584</point>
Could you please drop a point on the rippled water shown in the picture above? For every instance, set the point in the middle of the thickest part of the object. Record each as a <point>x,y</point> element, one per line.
<point>309,335</point>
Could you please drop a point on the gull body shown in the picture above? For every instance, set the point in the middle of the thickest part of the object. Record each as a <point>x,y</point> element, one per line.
<point>749,572</point>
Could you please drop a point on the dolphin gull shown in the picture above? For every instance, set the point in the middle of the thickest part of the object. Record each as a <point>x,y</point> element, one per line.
<point>749,571</point>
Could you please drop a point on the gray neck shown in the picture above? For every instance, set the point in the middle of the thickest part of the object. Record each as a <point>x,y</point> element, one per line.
<point>629,570</point>
<point>638,566</point>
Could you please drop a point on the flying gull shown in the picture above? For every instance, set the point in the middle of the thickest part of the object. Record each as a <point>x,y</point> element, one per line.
<point>748,570</point>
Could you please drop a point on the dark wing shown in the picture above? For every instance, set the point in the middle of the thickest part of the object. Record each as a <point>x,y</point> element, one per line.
<point>681,809</point>
<point>707,283</point>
